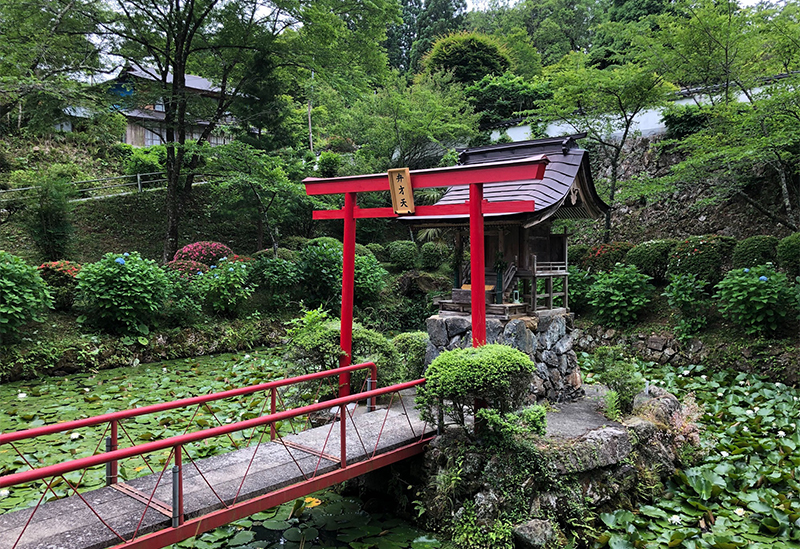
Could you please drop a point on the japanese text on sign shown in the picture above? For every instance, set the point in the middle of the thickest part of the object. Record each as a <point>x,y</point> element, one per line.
<point>402,193</point>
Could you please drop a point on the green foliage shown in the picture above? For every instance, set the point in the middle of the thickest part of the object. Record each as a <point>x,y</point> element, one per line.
<point>788,254</point>
<point>411,347</point>
<point>294,242</point>
<point>183,305</point>
<point>403,254</point>
<point>146,160</point>
<point>226,286</point>
<point>611,406</point>
<point>60,279</point>
<point>50,218</point>
<point>702,256</point>
<point>754,251</point>
<point>277,277</point>
<point>326,240</point>
<point>651,258</point>
<point>369,280</point>
<point>619,375</point>
<point>284,253</point>
<point>329,163</point>
<point>498,98</point>
<point>684,120</point>
<point>122,293</point>
<point>504,428</point>
<point>320,264</point>
<point>469,55</point>
<point>688,299</point>
<point>577,254</point>
<point>580,282</point>
<point>378,251</point>
<point>756,299</point>
<point>618,296</point>
<point>433,255</point>
<point>468,533</point>
<point>186,267</point>
<point>363,250</point>
<point>605,256</point>
<point>23,295</point>
<point>496,374</point>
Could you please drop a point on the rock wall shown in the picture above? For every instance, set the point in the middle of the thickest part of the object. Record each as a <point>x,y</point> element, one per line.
<point>546,338</point>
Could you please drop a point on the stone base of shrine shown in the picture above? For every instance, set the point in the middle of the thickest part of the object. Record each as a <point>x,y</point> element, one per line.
<point>545,336</point>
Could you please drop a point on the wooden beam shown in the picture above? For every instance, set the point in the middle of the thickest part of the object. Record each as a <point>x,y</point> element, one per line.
<point>512,206</point>
<point>513,170</point>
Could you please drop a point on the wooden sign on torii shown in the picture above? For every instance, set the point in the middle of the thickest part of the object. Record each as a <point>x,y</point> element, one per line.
<point>475,175</point>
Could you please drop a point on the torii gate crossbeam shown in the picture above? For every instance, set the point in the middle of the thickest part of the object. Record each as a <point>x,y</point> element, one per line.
<point>475,175</point>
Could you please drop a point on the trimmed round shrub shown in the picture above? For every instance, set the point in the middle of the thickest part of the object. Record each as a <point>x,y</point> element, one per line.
<point>280,253</point>
<point>756,299</point>
<point>275,275</point>
<point>186,267</point>
<point>294,242</point>
<point>236,258</point>
<point>378,251</point>
<point>605,256</point>
<point>370,278</point>
<point>60,279</point>
<point>617,296</point>
<point>204,252</point>
<point>580,282</point>
<point>363,251</point>
<point>122,293</point>
<point>23,295</point>
<point>327,240</point>
<point>706,257</point>
<point>756,250</point>
<point>577,254</point>
<point>403,254</point>
<point>433,255</point>
<point>411,347</point>
<point>651,258</point>
<point>286,254</point>
<point>788,253</point>
<point>497,374</point>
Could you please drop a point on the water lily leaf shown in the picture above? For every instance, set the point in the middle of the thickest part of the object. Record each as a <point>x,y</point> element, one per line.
<point>245,536</point>
<point>653,512</point>
<point>274,524</point>
<point>759,507</point>
<point>770,524</point>
<point>618,542</point>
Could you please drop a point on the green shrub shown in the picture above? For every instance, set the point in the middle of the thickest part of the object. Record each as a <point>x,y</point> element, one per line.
<point>433,255</point>
<point>23,295</point>
<point>226,286</point>
<point>788,253</point>
<point>286,254</point>
<point>363,251</point>
<point>370,278</point>
<point>684,120</point>
<point>321,272</point>
<point>186,267</point>
<point>378,251</point>
<point>327,240</point>
<point>329,163</point>
<point>183,305</point>
<point>618,296</point>
<point>619,375</point>
<point>754,251</point>
<point>577,254</point>
<point>756,299</point>
<point>605,256</point>
<point>689,301</point>
<point>122,293</point>
<point>651,258</point>
<point>403,254</point>
<point>411,347</point>
<point>294,242</point>
<point>60,279</point>
<point>146,160</point>
<point>49,219</point>
<point>580,282</point>
<point>703,256</point>
<point>497,374</point>
<point>274,275</point>
<point>505,427</point>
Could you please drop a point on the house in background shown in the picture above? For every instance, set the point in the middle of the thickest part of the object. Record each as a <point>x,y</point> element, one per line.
<point>146,122</point>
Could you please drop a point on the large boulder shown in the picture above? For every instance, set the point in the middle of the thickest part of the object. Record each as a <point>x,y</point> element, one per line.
<point>534,534</point>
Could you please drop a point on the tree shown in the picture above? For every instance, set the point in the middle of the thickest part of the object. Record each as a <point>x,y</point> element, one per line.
<point>403,125</point>
<point>46,47</point>
<point>468,55</point>
<point>500,98</point>
<point>221,40</point>
<point>400,38</point>
<point>438,18</point>
<point>604,104</point>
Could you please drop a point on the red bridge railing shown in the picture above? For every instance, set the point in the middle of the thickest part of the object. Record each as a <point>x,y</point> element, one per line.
<point>181,528</point>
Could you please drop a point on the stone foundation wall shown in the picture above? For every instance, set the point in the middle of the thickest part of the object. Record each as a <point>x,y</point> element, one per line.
<point>546,338</point>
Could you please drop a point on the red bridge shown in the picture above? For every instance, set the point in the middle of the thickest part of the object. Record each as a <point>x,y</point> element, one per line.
<point>189,495</point>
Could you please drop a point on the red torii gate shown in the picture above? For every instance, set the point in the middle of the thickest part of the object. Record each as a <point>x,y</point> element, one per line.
<point>475,175</point>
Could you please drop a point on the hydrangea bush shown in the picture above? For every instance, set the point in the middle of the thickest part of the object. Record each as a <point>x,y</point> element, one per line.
<point>619,295</point>
<point>605,256</point>
<point>689,301</point>
<point>204,252</point>
<point>226,286</point>
<point>757,299</point>
<point>122,293</point>
<point>23,295</point>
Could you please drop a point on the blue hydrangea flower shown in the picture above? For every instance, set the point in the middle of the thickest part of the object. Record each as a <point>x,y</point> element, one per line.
<point>213,266</point>
<point>223,258</point>
<point>747,270</point>
<point>199,273</point>
<point>244,266</point>
<point>216,276</point>
<point>120,261</point>
<point>763,278</point>
<point>230,269</point>
<point>126,254</point>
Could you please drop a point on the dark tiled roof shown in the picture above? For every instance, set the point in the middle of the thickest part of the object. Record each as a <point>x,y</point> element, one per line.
<point>193,82</point>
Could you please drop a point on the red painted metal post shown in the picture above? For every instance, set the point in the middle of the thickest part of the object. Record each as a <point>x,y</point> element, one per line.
<point>113,466</point>
<point>272,406</point>
<point>348,280</point>
<point>177,488</point>
<point>343,434</point>
<point>477,264</point>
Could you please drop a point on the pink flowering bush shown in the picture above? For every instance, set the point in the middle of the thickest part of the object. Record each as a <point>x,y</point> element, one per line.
<point>204,252</point>
<point>187,267</point>
<point>60,278</point>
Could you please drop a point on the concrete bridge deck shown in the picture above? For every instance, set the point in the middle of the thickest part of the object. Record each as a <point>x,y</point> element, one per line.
<point>70,523</point>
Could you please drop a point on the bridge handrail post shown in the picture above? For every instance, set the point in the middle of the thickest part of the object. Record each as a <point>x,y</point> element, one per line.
<point>272,407</point>
<point>177,489</point>
<point>343,433</point>
<point>112,444</point>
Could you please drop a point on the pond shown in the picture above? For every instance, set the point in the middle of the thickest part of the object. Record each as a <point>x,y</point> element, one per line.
<point>325,519</point>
